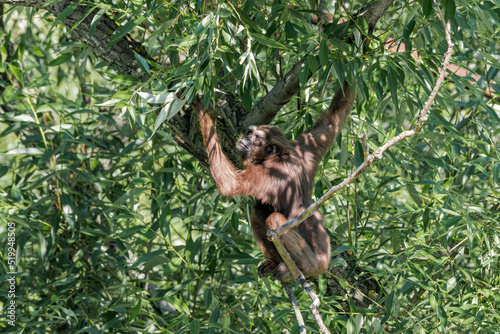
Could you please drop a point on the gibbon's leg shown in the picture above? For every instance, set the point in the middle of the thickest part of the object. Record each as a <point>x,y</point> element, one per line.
<point>260,212</point>
<point>300,251</point>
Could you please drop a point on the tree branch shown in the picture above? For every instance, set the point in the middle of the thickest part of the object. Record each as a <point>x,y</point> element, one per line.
<point>119,55</point>
<point>273,235</point>
<point>266,109</point>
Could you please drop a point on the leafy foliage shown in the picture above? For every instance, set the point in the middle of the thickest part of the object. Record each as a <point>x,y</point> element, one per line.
<point>120,230</point>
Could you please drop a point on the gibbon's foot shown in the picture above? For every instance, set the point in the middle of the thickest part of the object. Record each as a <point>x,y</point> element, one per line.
<point>266,268</point>
<point>282,273</point>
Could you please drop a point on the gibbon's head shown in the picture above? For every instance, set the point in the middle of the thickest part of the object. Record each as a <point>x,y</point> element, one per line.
<point>262,143</point>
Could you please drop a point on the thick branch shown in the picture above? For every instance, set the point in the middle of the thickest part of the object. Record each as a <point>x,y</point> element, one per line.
<point>120,55</point>
<point>265,110</point>
<point>374,11</point>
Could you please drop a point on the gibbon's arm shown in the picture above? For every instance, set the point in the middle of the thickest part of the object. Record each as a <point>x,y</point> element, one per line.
<point>322,134</point>
<point>226,176</point>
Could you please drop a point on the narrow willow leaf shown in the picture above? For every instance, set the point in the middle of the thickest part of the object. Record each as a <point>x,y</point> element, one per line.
<point>194,326</point>
<point>449,10</point>
<point>124,29</point>
<point>269,42</point>
<point>84,16</point>
<point>135,311</point>
<point>109,103</point>
<point>142,62</point>
<point>157,98</point>
<point>426,6</point>
<point>25,150</point>
<point>147,257</point>
<point>95,20</point>
<point>168,111</point>
<point>61,59</point>
<point>323,53</point>
<point>66,11</point>
<point>393,86</point>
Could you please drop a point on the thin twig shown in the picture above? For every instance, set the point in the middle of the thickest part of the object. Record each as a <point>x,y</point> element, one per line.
<point>295,306</point>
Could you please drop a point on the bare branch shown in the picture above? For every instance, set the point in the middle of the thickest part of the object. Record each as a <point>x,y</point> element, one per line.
<point>295,306</point>
<point>299,278</point>
<point>273,234</point>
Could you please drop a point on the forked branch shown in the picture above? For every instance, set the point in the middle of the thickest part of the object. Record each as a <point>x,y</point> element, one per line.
<point>273,235</point>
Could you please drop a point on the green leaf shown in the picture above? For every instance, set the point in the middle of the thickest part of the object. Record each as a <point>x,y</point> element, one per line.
<point>69,210</point>
<point>124,29</point>
<point>214,317</point>
<point>10,94</point>
<point>426,6</point>
<point>304,74</point>
<point>179,305</point>
<point>95,21</point>
<point>203,25</point>
<point>393,85</point>
<point>65,57</point>
<point>389,302</point>
<point>245,18</point>
<point>442,317</point>
<point>164,220</point>
<point>324,53</point>
<point>135,311</point>
<point>84,16</point>
<point>449,10</point>
<point>409,29</point>
<point>377,327</point>
<point>147,257</point>
<point>125,80</point>
<point>15,71</point>
<point>66,11</point>
<point>412,191</point>
<point>266,41</point>
<point>341,45</point>
<point>142,62</point>
<point>169,110</point>
<point>194,326</point>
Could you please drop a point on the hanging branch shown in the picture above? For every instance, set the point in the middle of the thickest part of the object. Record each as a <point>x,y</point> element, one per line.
<point>295,306</point>
<point>273,235</point>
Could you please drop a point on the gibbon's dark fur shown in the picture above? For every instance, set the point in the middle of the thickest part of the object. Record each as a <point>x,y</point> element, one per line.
<point>280,175</point>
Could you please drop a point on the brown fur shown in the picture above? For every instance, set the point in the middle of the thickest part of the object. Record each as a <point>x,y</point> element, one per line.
<point>280,175</point>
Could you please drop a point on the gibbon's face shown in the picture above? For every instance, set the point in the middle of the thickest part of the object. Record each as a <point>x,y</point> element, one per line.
<point>254,138</point>
<point>261,143</point>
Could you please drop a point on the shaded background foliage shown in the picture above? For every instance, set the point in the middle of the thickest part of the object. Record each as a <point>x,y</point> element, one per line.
<point>120,230</point>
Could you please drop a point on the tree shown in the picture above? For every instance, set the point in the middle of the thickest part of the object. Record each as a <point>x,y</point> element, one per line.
<point>119,229</point>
